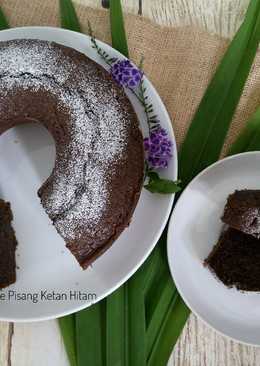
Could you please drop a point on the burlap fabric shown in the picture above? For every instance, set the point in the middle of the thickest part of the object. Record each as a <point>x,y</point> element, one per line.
<point>179,61</point>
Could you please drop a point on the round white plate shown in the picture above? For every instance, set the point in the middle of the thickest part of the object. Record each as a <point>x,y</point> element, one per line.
<point>194,228</point>
<point>26,159</point>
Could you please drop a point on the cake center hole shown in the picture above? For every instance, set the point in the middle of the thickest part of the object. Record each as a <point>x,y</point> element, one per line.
<point>27,156</point>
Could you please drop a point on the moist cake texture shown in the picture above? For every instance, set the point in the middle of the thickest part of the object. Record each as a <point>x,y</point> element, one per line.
<point>7,246</point>
<point>98,174</point>
<point>235,260</point>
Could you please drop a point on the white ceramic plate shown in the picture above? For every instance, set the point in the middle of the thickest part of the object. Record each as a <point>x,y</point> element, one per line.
<point>194,228</point>
<point>26,159</point>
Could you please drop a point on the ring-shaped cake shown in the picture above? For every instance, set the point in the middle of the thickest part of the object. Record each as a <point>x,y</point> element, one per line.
<point>95,184</point>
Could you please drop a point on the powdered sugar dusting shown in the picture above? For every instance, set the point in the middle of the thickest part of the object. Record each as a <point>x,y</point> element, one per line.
<point>37,58</point>
<point>98,128</point>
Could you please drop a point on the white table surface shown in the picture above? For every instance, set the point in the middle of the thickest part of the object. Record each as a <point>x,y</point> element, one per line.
<point>40,344</point>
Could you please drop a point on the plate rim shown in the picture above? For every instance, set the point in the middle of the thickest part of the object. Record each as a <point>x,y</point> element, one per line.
<point>174,173</point>
<point>169,256</point>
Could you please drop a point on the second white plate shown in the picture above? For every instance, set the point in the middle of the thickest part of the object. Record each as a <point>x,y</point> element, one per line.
<point>194,228</point>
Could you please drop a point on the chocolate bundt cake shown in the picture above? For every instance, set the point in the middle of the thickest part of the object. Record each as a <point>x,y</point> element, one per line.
<point>242,211</point>
<point>95,184</point>
<point>7,246</point>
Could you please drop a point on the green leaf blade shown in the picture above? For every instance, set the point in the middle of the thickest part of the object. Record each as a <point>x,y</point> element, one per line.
<point>159,276</point>
<point>136,325</point>
<point>118,34</point>
<point>249,138</point>
<point>210,124</point>
<point>153,266</point>
<point>68,330</point>
<point>175,319</point>
<point>68,16</point>
<point>89,336</point>
<point>165,293</point>
<point>3,21</point>
<point>117,328</point>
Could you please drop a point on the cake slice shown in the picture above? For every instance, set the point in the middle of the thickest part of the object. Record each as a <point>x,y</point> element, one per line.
<point>235,260</point>
<point>8,245</point>
<point>242,211</point>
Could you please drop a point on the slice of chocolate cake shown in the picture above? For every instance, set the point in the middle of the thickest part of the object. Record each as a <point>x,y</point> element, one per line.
<point>242,211</point>
<point>8,245</point>
<point>235,260</point>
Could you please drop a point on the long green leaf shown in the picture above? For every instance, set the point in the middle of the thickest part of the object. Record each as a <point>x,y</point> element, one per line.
<point>68,330</point>
<point>154,281</point>
<point>3,21</point>
<point>167,295</point>
<point>90,335</point>
<point>125,324</point>
<point>210,124</point>
<point>119,41</point>
<point>128,301</point>
<point>136,325</point>
<point>154,267</point>
<point>117,328</point>
<point>249,138</point>
<point>171,328</point>
<point>150,268</point>
<point>155,293</point>
<point>68,16</point>
<point>161,293</point>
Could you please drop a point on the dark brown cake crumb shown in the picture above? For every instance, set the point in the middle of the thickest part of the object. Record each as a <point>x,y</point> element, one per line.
<point>235,260</point>
<point>8,245</point>
<point>242,211</point>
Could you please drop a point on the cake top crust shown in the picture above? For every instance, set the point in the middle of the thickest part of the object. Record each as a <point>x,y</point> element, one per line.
<point>242,211</point>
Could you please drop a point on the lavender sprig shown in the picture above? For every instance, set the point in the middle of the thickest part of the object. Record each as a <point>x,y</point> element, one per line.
<point>103,54</point>
<point>152,119</point>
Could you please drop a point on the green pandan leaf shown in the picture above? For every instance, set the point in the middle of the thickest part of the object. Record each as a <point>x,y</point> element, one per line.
<point>162,296</point>
<point>68,16</point>
<point>3,21</point>
<point>169,332</point>
<point>249,138</point>
<point>117,349</point>
<point>204,140</point>
<point>68,330</point>
<point>118,35</point>
<point>90,335</point>
<point>136,317</point>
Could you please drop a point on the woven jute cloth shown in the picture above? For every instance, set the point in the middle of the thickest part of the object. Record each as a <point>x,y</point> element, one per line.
<point>179,61</point>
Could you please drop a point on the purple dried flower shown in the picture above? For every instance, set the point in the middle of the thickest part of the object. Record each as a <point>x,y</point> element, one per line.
<point>158,149</point>
<point>126,74</point>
